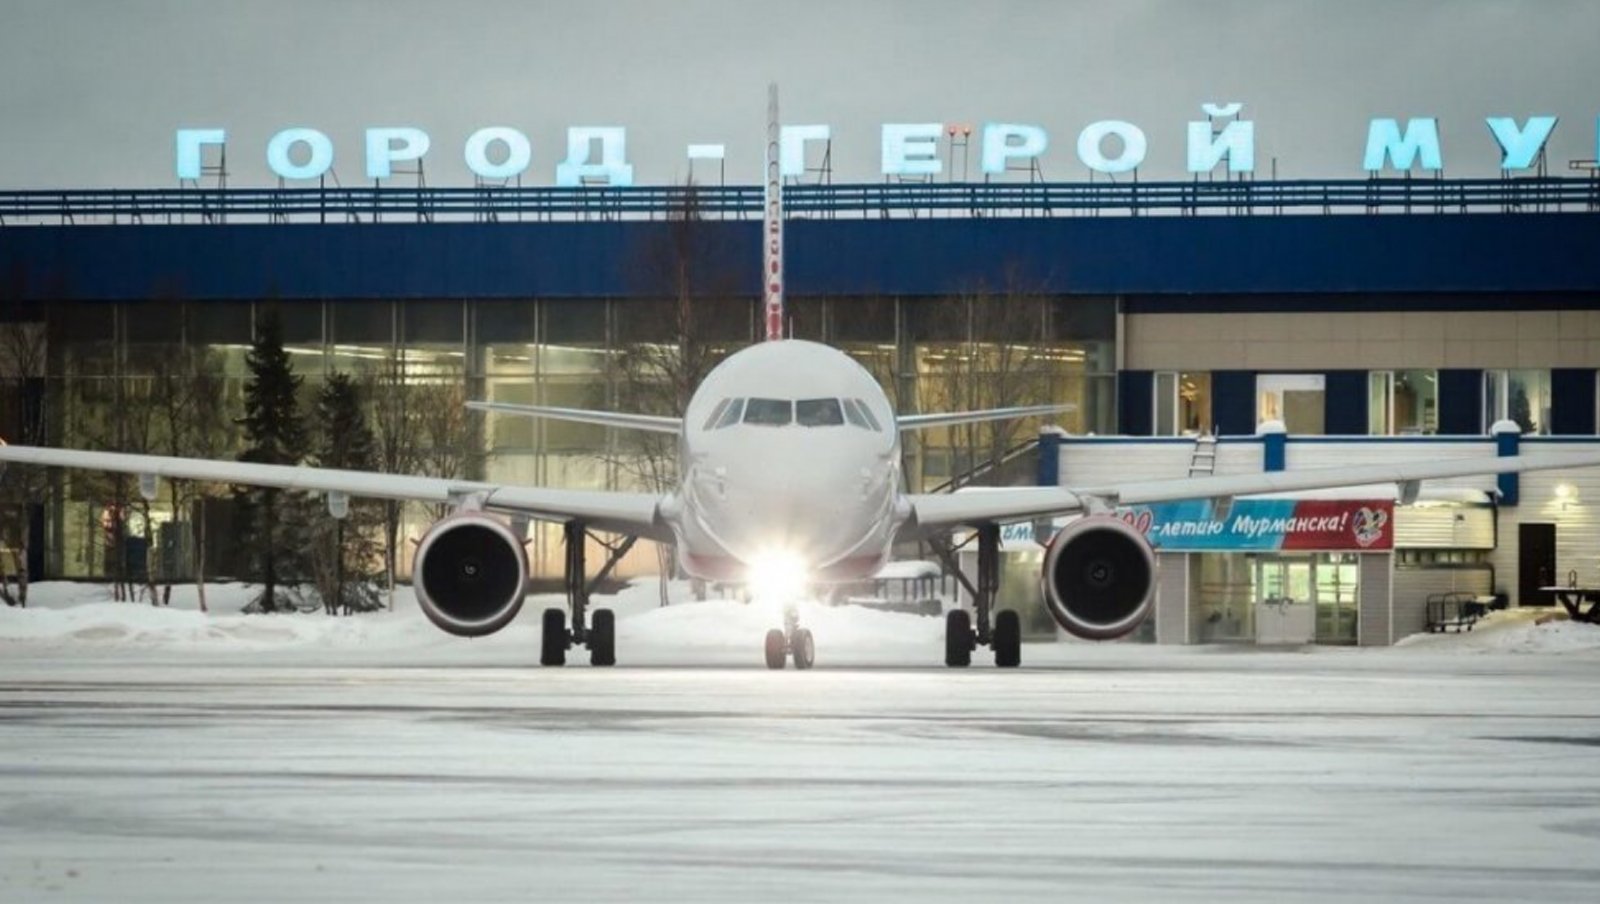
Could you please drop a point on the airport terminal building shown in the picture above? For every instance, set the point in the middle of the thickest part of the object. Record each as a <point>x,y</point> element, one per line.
<point>1370,319</point>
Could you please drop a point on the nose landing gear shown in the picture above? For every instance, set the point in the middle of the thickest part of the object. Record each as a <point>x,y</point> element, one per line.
<point>790,640</point>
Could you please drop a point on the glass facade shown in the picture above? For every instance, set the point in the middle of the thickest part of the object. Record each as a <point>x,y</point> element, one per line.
<point>1229,592</point>
<point>115,373</point>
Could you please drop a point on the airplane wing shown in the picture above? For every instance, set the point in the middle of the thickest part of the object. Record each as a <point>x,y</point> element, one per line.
<point>923,421</point>
<point>630,513</point>
<point>931,513</point>
<point>586,416</point>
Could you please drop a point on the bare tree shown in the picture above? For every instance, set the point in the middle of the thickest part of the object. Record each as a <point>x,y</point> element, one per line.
<point>666,348</point>
<point>394,427</point>
<point>188,393</point>
<point>997,357</point>
<point>420,425</point>
<point>22,418</point>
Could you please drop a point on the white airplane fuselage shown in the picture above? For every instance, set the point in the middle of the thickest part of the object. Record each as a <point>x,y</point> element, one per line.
<point>796,472</point>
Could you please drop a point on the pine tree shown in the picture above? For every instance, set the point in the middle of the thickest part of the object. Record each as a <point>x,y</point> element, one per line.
<point>345,551</point>
<point>274,434</point>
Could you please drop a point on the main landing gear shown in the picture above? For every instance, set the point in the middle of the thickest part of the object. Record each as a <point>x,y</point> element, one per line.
<point>790,640</point>
<point>961,637</point>
<point>600,634</point>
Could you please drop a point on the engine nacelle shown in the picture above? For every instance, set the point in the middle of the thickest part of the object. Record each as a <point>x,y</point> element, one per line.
<point>1099,577</point>
<point>470,574</point>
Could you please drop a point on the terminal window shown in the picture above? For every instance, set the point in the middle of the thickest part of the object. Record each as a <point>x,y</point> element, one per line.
<point>1403,402</point>
<point>1521,395</point>
<point>1182,403</point>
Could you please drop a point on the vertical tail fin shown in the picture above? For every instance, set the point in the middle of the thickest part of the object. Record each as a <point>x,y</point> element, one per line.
<point>772,226</point>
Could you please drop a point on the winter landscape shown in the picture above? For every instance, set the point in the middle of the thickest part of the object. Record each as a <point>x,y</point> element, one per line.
<point>166,755</point>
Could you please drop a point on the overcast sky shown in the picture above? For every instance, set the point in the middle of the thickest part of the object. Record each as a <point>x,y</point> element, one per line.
<point>91,92</point>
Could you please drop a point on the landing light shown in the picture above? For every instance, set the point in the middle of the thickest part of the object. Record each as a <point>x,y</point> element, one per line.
<point>776,576</point>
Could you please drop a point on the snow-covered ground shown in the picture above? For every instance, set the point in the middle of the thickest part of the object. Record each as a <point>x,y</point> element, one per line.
<point>164,755</point>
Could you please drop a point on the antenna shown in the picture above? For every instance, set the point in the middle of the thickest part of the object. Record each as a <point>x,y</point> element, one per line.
<point>772,226</point>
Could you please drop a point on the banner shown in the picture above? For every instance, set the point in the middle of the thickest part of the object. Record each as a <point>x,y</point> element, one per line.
<point>1267,525</point>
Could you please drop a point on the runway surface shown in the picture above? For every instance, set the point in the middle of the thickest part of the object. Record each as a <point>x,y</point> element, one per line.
<point>1103,773</point>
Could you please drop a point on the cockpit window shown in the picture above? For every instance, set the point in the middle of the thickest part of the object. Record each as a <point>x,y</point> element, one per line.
<point>731,415</point>
<point>769,412</point>
<point>866,412</point>
<point>818,413</point>
<point>853,415</point>
<point>716,413</point>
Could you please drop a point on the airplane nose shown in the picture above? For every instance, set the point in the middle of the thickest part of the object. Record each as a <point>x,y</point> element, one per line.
<point>813,508</point>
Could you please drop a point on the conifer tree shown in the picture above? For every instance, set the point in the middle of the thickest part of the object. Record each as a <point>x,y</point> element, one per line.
<point>345,551</point>
<point>273,520</point>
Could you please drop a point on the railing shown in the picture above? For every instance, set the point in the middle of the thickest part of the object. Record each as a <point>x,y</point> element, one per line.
<point>743,202</point>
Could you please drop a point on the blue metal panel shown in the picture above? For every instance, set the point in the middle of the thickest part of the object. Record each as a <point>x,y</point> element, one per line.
<point>1505,445</point>
<point>1233,401</point>
<point>1345,403</point>
<point>1461,402</point>
<point>1049,472</point>
<point>1088,255</point>
<point>1572,400</point>
<point>1274,451</point>
<point>1134,400</point>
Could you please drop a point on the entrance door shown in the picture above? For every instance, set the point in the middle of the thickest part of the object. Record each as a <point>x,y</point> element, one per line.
<point>1285,607</point>
<point>1536,564</point>
<point>1337,582</point>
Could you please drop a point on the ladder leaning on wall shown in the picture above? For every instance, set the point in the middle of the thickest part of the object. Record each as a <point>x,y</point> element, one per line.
<point>1203,459</point>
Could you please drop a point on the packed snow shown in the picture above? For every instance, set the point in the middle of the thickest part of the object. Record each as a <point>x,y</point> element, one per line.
<point>163,755</point>
<point>64,613</point>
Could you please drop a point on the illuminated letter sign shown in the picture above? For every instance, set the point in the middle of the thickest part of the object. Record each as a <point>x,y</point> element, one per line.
<point>1421,139</point>
<point>318,160</point>
<point>1235,141</point>
<point>613,166</point>
<point>1519,147</point>
<point>518,153</point>
<point>382,153</point>
<point>792,146</point>
<point>1133,146</point>
<point>911,149</point>
<point>190,144</point>
<point>1004,142</point>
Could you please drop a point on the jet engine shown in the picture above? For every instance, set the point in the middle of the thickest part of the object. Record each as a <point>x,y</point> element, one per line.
<point>1099,577</point>
<point>470,573</point>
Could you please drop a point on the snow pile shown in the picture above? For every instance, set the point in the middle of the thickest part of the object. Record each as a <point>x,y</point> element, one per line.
<point>1515,631</point>
<point>67,615</point>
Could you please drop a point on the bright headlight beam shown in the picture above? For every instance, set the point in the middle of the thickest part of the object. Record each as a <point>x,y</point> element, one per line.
<point>778,575</point>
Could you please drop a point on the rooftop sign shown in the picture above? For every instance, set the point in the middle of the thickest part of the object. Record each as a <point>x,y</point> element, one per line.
<point>597,155</point>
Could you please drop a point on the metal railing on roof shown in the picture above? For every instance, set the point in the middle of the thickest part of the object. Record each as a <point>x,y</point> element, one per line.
<point>743,202</point>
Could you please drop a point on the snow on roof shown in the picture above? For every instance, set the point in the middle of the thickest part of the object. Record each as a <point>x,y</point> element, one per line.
<point>1458,495</point>
<point>894,571</point>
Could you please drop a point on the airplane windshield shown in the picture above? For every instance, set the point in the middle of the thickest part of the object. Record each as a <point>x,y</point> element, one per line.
<point>853,414</point>
<point>818,413</point>
<point>716,414</point>
<point>769,412</point>
<point>729,415</point>
<point>866,412</point>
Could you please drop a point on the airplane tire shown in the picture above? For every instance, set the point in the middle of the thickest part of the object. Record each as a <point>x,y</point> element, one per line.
<point>553,639</point>
<point>805,649</point>
<point>603,638</point>
<point>1007,639</point>
<point>957,639</point>
<point>777,651</point>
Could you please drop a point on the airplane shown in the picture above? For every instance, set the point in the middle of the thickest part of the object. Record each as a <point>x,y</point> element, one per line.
<point>789,477</point>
